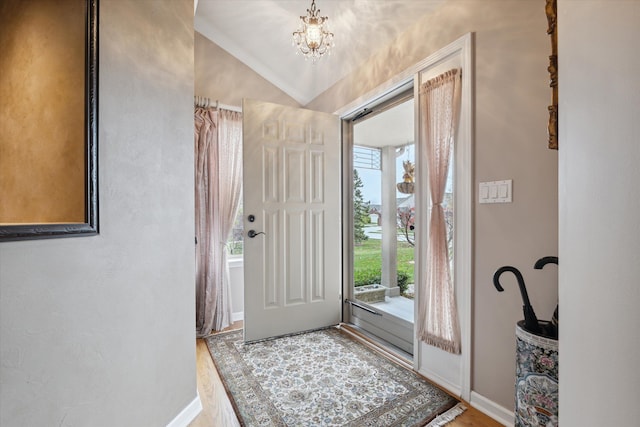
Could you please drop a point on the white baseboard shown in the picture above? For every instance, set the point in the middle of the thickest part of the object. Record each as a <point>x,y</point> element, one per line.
<point>492,409</point>
<point>188,414</point>
<point>237,316</point>
<point>442,382</point>
<point>499,413</point>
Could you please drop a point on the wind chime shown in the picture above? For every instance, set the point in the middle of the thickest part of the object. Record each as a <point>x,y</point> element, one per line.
<point>407,184</point>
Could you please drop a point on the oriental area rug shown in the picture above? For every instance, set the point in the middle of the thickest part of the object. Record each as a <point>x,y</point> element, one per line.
<point>324,378</point>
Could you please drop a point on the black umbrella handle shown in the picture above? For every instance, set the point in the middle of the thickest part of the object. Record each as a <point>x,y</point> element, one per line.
<point>538,266</point>
<point>519,278</point>
<point>544,261</point>
<point>530,319</point>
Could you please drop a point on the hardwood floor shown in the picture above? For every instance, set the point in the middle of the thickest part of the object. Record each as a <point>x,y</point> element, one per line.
<point>218,411</point>
<point>216,407</point>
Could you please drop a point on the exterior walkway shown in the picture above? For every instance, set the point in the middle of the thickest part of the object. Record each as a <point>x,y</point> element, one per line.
<point>396,306</point>
<point>375,232</point>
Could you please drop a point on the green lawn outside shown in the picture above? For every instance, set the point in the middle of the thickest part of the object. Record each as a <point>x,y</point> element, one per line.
<point>368,260</point>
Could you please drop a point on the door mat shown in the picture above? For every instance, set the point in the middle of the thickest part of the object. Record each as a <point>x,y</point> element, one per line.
<point>324,378</point>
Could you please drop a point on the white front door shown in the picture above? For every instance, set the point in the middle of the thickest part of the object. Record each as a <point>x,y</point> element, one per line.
<point>292,187</point>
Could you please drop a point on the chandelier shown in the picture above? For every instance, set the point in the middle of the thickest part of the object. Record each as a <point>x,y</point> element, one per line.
<point>312,37</point>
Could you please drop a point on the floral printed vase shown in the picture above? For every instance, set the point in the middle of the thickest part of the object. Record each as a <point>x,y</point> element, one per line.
<point>536,379</point>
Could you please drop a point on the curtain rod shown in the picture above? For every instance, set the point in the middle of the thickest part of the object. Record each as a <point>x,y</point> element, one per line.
<point>201,101</point>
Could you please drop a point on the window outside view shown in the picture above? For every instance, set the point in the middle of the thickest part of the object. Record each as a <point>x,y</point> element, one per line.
<point>368,221</point>
<point>235,242</point>
<point>367,196</point>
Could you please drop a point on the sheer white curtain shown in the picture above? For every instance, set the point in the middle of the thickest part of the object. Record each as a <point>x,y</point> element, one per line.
<point>218,187</point>
<point>438,315</point>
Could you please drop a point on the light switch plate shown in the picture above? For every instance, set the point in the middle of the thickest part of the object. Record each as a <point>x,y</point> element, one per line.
<point>496,191</point>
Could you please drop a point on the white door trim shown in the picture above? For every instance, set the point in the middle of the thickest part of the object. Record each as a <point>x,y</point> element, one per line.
<point>464,46</point>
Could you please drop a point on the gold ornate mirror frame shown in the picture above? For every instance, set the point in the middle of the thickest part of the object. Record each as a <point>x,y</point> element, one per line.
<point>552,30</point>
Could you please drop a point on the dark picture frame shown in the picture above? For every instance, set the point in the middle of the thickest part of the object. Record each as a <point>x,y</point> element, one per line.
<point>12,232</point>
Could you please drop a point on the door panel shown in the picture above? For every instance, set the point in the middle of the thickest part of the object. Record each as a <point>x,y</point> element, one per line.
<point>385,250</point>
<point>292,187</point>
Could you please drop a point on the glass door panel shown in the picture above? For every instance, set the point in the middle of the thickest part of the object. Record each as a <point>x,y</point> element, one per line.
<point>383,225</point>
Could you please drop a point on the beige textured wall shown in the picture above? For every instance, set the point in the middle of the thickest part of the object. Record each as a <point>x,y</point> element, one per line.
<point>219,76</point>
<point>99,331</point>
<point>512,95</point>
<point>42,167</point>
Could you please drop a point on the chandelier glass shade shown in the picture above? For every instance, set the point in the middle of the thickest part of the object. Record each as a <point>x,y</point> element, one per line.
<point>312,38</point>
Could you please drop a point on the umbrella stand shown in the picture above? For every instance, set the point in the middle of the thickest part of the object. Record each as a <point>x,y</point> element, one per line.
<point>536,383</point>
<point>536,378</point>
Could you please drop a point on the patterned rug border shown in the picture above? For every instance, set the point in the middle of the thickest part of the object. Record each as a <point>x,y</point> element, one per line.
<point>223,380</point>
<point>439,417</point>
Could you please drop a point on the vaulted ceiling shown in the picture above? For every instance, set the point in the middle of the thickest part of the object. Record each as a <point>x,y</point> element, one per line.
<point>259,33</point>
